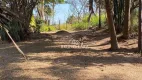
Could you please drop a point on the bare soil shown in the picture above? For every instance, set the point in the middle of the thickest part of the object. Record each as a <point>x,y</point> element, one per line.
<point>60,57</point>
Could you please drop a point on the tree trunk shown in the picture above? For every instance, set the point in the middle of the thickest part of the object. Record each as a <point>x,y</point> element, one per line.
<point>42,10</point>
<point>90,10</point>
<point>24,9</point>
<point>99,13</point>
<point>19,12</point>
<point>126,19</point>
<point>140,28</point>
<point>113,37</point>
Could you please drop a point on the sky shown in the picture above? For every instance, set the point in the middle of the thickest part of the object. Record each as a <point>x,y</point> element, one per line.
<point>62,12</point>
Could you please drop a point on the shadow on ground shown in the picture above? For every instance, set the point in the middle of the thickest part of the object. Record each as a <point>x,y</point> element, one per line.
<point>63,67</point>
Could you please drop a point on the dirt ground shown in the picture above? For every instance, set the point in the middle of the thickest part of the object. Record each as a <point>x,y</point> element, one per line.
<point>58,56</point>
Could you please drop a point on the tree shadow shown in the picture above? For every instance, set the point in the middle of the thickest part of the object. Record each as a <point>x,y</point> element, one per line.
<point>111,77</point>
<point>64,72</point>
<point>64,66</point>
<point>85,61</point>
<point>103,44</point>
<point>42,46</point>
<point>9,68</point>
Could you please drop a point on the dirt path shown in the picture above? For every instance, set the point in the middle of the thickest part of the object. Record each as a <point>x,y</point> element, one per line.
<point>57,61</point>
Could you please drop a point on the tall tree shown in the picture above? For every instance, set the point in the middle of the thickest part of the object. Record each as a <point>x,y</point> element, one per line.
<point>19,29</point>
<point>99,6</point>
<point>140,28</point>
<point>45,8</point>
<point>78,7</point>
<point>126,19</point>
<point>91,11</point>
<point>99,13</point>
<point>118,15</point>
<point>113,37</point>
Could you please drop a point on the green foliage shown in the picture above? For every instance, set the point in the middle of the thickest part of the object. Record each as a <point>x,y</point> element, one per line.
<point>80,26</point>
<point>135,25</point>
<point>134,21</point>
<point>48,10</point>
<point>94,21</point>
<point>38,25</point>
<point>14,30</point>
<point>46,28</point>
<point>65,27</point>
<point>33,22</point>
<point>3,34</point>
<point>52,28</point>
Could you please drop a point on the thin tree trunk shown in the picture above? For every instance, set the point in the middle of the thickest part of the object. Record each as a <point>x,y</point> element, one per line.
<point>90,9</point>
<point>140,28</point>
<point>113,37</point>
<point>17,47</point>
<point>66,25</point>
<point>126,19</point>
<point>42,10</point>
<point>59,25</point>
<point>100,14</point>
<point>53,7</point>
<point>89,17</point>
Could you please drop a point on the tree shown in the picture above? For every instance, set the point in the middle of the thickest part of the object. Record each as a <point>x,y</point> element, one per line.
<point>18,27</point>
<point>113,37</point>
<point>4,20</point>
<point>99,6</point>
<point>91,10</point>
<point>99,13</point>
<point>45,8</point>
<point>127,19</point>
<point>118,15</point>
<point>140,28</point>
<point>78,7</point>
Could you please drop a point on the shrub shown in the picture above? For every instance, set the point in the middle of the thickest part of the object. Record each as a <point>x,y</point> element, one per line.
<point>134,21</point>
<point>80,26</point>
<point>14,30</point>
<point>33,22</point>
<point>52,28</point>
<point>44,28</point>
<point>94,21</point>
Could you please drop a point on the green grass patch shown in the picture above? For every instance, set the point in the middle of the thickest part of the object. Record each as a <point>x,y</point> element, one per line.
<point>94,21</point>
<point>46,28</point>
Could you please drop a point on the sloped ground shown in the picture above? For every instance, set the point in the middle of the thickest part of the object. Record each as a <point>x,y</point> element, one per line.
<point>59,57</point>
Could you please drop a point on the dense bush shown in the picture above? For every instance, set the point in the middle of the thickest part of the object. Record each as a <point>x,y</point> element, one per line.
<point>46,28</point>
<point>94,21</point>
<point>80,26</point>
<point>39,25</point>
<point>14,30</point>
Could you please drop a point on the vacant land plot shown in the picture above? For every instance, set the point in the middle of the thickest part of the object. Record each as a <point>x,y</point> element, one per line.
<point>60,57</point>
